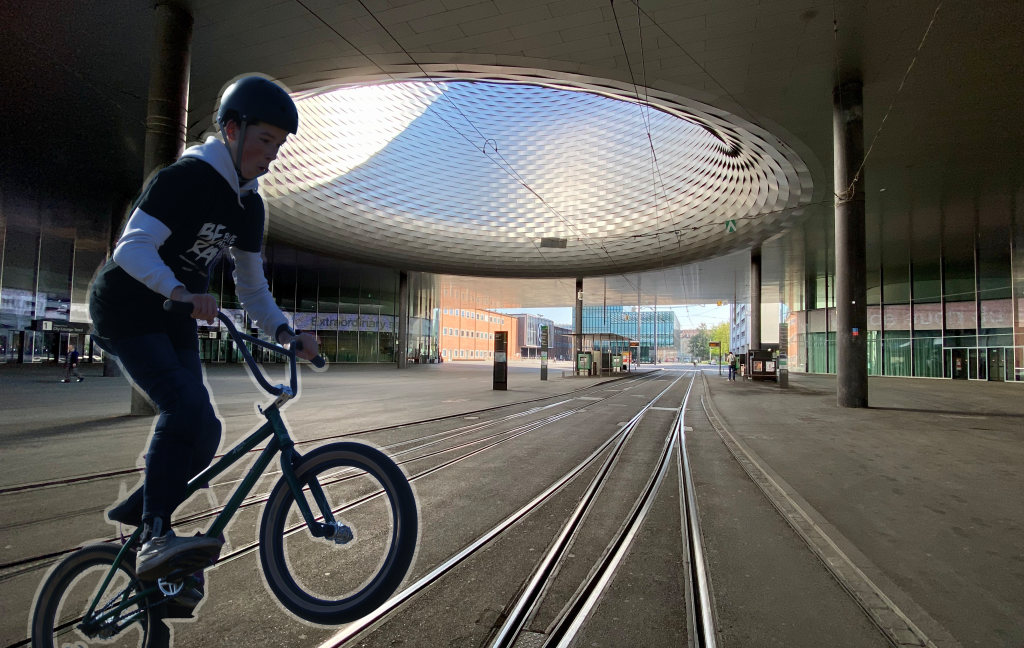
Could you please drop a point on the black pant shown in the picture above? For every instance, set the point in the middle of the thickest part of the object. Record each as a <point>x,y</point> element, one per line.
<point>188,432</point>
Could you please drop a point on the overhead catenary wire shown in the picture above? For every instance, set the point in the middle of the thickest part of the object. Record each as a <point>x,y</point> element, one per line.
<point>846,194</point>
<point>644,114</point>
<point>508,168</point>
<point>505,165</point>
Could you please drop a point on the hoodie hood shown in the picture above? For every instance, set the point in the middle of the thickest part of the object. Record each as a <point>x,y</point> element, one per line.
<point>217,154</point>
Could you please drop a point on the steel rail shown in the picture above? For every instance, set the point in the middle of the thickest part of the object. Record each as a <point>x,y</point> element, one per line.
<point>582,608</point>
<point>257,499</point>
<point>705,633</point>
<point>359,628</point>
<point>89,477</point>
<point>530,597</point>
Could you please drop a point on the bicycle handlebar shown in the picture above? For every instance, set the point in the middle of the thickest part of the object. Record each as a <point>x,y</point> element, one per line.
<point>240,338</point>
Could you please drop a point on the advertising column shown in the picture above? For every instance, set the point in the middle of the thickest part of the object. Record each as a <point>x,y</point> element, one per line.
<point>501,360</point>
<point>544,352</point>
<point>784,355</point>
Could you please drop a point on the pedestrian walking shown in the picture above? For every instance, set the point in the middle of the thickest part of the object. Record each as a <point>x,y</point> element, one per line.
<point>731,360</point>
<point>71,365</point>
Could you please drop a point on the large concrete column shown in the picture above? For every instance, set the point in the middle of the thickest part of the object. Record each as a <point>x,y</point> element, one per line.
<point>166,112</point>
<point>851,271</point>
<point>754,317</point>
<point>578,324</point>
<point>403,319</point>
<point>168,87</point>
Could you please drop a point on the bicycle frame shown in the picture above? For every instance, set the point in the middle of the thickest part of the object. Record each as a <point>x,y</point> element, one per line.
<point>280,441</point>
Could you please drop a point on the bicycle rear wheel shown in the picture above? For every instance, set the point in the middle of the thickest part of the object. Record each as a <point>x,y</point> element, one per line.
<point>69,590</point>
<point>328,583</point>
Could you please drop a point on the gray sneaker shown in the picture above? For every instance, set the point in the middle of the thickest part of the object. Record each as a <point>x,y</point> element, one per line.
<point>167,553</point>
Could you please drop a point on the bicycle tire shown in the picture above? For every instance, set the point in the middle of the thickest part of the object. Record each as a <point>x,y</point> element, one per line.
<point>383,584</point>
<point>154,633</point>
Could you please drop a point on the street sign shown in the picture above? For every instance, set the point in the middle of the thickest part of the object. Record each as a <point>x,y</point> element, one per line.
<point>715,345</point>
<point>730,226</point>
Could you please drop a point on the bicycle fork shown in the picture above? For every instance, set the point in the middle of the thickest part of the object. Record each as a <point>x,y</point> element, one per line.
<point>329,529</point>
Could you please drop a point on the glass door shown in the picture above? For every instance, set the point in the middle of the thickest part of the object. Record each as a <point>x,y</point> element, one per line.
<point>995,365</point>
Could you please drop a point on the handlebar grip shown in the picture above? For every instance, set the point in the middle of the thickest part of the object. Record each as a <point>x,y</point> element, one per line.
<point>171,306</point>
<point>317,361</point>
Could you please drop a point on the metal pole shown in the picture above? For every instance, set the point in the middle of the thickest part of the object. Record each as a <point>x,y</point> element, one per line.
<point>655,329</point>
<point>638,318</point>
<point>851,270</point>
<point>578,338</point>
<point>403,319</point>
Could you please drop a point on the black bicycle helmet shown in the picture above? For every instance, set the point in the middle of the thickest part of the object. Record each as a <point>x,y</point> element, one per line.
<point>256,98</point>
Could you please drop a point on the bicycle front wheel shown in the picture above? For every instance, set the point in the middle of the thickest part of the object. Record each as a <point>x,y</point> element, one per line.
<point>68,591</point>
<point>329,583</point>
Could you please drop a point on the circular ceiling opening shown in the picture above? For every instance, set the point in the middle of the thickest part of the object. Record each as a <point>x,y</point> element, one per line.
<point>524,180</point>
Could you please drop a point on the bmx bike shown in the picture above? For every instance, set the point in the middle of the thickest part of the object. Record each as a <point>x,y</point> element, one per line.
<point>336,537</point>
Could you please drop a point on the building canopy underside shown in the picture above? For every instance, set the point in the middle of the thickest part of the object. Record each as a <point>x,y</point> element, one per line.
<point>499,177</point>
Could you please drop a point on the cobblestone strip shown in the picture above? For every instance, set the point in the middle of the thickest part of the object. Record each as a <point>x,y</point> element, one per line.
<point>897,627</point>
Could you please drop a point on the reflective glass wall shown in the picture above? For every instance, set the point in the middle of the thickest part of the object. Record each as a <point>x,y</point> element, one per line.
<point>944,298</point>
<point>51,246</point>
<point>656,329</point>
<point>351,308</point>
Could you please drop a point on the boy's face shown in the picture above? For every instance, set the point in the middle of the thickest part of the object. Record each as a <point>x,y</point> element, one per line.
<point>262,143</point>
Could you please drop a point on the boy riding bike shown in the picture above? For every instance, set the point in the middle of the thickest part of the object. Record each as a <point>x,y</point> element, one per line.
<point>189,214</point>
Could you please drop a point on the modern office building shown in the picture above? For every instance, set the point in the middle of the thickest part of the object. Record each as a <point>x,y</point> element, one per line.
<point>739,325</point>
<point>528,334</point>
<point>467,332</point>
<point>654,329</point>
<point>562,342</point>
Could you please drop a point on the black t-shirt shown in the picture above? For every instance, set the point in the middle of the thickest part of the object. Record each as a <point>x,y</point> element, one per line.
<point>73,358</point>
<point>201,209</point>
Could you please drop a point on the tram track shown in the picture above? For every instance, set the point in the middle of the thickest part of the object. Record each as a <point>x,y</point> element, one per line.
<point>19,567</point>
<point>523,606</point>
<point>121,472</point>
<point>583,604</point>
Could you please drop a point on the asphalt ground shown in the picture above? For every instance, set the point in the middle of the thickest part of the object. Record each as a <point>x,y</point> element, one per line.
<point>29,531</point>
<point>769,590</point>
<point>918,491</point>
<point>923,490</point>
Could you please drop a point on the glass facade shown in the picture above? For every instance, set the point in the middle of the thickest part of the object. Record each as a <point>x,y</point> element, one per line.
<point>51,247</point>
<point>622,320</point>
<point>50,256</point>
<point>954,313</point>
<point>352,309</point>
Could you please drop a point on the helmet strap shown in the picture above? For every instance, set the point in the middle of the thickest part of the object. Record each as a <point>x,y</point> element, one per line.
<point>238,148</point>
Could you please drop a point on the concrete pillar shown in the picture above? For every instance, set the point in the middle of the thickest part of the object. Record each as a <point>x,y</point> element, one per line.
<point>755,298</point>
<point>168,87</point>
<point>851,270</point>
<point>578,324</point>
<point>166,112</point>
<point>403,319</point>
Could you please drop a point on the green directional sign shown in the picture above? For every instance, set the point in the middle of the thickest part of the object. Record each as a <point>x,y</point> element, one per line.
<point>730,226</point>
